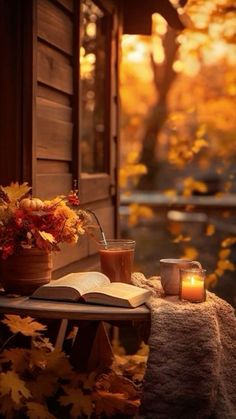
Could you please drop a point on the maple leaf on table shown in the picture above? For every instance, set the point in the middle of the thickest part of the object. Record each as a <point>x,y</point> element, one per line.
<point>81,404</point>
<point>11,383</point>
<point>16,191</point>
<point>27,326</point>
<point>38,411</point>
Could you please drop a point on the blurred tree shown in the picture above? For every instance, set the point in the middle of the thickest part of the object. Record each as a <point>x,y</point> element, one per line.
<point>179,112</point>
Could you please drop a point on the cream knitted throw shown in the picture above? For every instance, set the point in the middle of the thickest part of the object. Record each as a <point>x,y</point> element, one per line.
<point>191,368</point>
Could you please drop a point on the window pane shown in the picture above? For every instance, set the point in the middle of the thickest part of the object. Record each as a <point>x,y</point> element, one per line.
<point>92,68</point>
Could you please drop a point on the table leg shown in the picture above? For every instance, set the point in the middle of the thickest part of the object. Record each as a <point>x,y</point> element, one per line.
<point>92,349</point>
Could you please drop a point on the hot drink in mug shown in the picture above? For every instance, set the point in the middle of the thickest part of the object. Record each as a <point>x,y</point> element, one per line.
<point>170,273</point>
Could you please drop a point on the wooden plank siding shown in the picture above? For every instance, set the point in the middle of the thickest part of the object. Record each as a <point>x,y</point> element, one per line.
<point>54,139</point>
<point>54,110</point>
<point>54,69</point>
<point>41,110</point>
<point>54,98</point>
<point>55,26</point>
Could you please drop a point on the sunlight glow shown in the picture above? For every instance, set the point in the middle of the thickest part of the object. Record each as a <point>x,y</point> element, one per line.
<point>159,24</point>
<point>158,50</point>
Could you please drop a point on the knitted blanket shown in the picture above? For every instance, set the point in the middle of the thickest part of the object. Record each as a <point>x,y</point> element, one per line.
<point>191,368</point>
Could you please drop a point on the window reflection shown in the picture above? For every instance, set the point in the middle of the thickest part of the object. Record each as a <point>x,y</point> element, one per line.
<point>92,73</point>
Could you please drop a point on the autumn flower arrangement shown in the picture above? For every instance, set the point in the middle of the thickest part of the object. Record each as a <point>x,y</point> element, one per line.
<point>27,222</point>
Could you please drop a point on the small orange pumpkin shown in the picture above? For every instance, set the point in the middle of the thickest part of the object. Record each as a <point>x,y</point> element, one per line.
<point>31,204</point>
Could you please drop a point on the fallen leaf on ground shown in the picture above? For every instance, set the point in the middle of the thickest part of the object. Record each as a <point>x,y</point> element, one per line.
<point>112,403</point>
<point>38,411</point>
<point>25,325</point>
<point>81,404</point>
<point>11,383</point>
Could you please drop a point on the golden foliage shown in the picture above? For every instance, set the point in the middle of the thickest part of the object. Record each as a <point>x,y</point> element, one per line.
<point>223,262</point>
<point>183,149</point>
<point>211,280</point>
<point>8,408</point>
<point>27,326</point>
<point>47,236</point>
<point>38,411</point>
<point>43,386</point>
<point>210,230</point>
<point>190,253</point>
<point>81,404</point>
<point>17,357</point>
<point>138,212</point>
<point>130,173</point>
<point>229,241</point>
<point>181,238</point>
<point>15,191</point>
<point>115,394</point>
<point>190,185</point>
<point>34,376</point>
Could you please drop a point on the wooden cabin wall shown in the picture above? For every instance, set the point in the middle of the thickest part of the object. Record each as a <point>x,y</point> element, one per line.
<point>54,97</point>
<point>45,134</point>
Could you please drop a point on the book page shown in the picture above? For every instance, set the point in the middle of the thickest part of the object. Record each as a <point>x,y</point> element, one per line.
<point>81,281</point>
<point>118,294</point>
<point>119,290</point>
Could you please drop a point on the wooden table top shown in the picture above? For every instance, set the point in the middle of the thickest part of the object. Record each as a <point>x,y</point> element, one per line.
<point>26,306</point>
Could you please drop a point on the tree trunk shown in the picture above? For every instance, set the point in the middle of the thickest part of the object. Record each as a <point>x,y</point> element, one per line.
<point>164,76</point>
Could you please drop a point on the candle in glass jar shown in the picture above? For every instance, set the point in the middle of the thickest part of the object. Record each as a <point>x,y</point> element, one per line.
<point>192,285</point>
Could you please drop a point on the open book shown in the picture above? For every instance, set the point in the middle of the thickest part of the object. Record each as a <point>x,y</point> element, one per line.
<point>92,287</point>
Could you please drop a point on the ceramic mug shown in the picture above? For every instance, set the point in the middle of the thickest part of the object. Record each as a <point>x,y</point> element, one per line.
<point>170,273</point>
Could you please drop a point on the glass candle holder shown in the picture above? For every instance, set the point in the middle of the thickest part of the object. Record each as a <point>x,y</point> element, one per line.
<point>192,285</point>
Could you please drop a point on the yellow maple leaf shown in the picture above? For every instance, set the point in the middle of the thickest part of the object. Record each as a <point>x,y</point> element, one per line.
<point>27,325</point>
<point>16,191</point>
<point>43,386</point>
<point>40,342</point>
<point>225,265</point>
<point>112,403</point>
<point>38,359</point>
<point>138,212</point>
<point>18,357</point>
<point>224,254</point>
<point>191,185</point>
<point>115,383</point>
<point>8,408</point>
<point>219,272</point>
<point>47,236</point>
<point>211,280</point>
<point>199,144</point>
<point>11,383</point>
<point>38,411</point>
<point>228,242</point>
<point>170,192</point>
<point>58,364</point>
<point>81,403</point>
<point>181,238</point>
<point>87,381</point>
<point>190,253</point>
<point>210,230</point>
